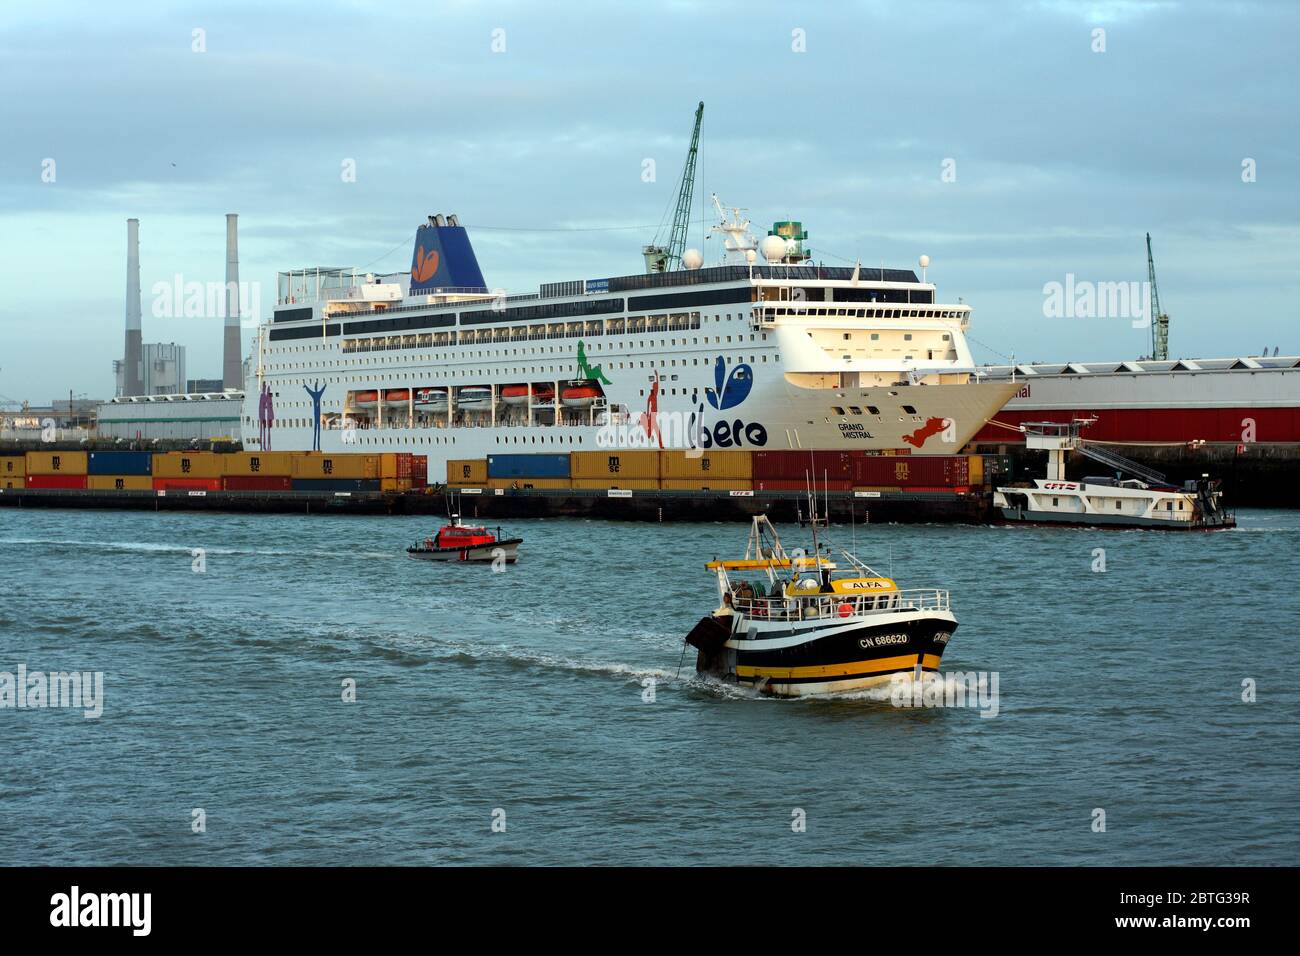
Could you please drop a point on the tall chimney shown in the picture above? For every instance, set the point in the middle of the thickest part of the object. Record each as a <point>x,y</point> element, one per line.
<point>132,356</point>
<point>231,376</point>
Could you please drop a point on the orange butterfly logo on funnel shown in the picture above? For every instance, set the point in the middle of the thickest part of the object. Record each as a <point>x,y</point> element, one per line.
<point>425,265</point>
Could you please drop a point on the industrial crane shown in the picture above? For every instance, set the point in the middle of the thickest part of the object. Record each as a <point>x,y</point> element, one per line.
<point>659,258</point>
<point>1159,320</point>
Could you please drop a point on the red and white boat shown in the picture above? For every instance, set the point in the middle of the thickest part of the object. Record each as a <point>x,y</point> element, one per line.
<point>466,542</point>
<point>579,395</point>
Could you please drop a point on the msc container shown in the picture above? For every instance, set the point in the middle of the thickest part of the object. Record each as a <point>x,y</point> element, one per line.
<point>706,484</point>
<point>257,483</point>
<point>524,484</point>
<point>12,481</point>
<point>473,471</point>
<point>616,482</point>
<point>788,484</point>
<point>56,463</point>
<point>186,484</point>
<point>615,463</point>
<point>795,464</point>
<point>336,484</point>
<point>914,471</point>
<point>314,464</point>
<point>419,471</point>
<point>119,482</point>
<point>189,464</point>
<point>259,463</point>
<point>710,464</point>
<point>528,466</point>
<point>13,466</point>
<point>116,463</point>
<point>976,467</point>
<point>55,481</point>
<point>395,485</point>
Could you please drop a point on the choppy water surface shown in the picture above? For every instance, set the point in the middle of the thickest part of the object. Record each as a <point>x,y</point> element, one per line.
<point>523,691</point>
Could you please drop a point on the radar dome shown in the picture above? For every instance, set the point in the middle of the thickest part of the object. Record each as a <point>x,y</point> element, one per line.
<point>751,256</point>
<point>691,259</point>
<point>772,248</point>
<point>924,261</point>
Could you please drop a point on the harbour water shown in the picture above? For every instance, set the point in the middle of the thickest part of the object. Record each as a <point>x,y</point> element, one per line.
<point>522,697</point>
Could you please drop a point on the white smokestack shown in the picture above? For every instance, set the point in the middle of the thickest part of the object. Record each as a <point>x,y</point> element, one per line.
<point>231,376</point>
<point>133,354</point>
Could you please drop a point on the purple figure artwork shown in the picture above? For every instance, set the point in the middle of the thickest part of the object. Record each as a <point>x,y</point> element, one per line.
<point>265,416</point>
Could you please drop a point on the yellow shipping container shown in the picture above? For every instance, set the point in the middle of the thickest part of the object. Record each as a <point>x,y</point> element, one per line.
<point>314,464</point>
<point>615,463</point>
<point>56,463</point>
<point>189,464</point>
<point>523,483</point>
<point>120,483</point>
<point>395,484</point>
<point>977,469</point>
<point>707,464</point>
<point>274,463</point>
<point>707,484</point>
<point>463,470</point>
<point>13,466</point>
<point>616,482</point>
<point>7,481</point>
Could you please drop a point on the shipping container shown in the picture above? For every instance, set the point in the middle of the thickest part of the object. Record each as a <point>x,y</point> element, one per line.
<point>395,485</point>
<point>524,484</point>
<point>12,481</point>
<point>880,489</point>
<point>419,471</point>
<point>395,464</point>
<point>56,463</point>
<point>257,483</point>
<point>913,471</point>
<point>336,484</point>
<point>616,482</point>
<point>708,464</point>
<point>314,464</point>
<point>189,464</point>
<point>54,481</point>
<point>706,484</point>
<point>119,482</point>
<point>186,484</point>
<point>471,470</point>
<point>976,469</point>
<point>116,463</point>
<point>796,464</point>
<point>13,466</point>
<point>528,466</point>
<point>253,463</point>
<point>788,484</point>
<point>615,463</point>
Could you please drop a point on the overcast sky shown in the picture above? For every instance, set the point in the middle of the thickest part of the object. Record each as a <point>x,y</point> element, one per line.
<point>1064,157</point>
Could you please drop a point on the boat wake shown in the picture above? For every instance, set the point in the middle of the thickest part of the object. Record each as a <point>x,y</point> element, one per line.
<point>150,547</point>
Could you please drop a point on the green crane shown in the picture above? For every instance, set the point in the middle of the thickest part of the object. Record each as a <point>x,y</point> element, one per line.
<point>1159,320</point>
<point>665,259</point>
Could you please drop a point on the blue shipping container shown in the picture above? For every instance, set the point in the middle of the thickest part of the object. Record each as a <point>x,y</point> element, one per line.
<point>336,484</point>
<point>528,466</point>
<point>119,463</point>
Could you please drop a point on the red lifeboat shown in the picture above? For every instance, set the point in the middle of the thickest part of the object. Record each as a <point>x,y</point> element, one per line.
<point>397,396</point>
<point>579,396</point>
<point>365,399</point>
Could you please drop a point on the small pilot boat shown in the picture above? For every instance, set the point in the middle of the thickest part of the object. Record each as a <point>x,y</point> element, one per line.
<point>796,625</point>
<point>466,542</point>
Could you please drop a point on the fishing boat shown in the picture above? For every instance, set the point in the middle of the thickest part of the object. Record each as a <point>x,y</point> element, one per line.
<point>796,624</point>
<point>458,541</point>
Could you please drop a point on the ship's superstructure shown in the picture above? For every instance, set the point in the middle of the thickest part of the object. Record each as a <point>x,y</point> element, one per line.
<point>766,351</point>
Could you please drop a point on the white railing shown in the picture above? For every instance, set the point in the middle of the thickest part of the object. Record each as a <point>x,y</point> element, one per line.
<point>816,606</point>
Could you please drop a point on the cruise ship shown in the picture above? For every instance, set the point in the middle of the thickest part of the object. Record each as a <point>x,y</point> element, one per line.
<point>764,350</point>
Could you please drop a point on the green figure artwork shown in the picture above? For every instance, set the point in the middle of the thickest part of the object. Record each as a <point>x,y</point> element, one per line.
<point>588,371</point>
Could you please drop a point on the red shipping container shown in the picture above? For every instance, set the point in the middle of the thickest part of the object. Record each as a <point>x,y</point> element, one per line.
<point>419,471</point>
<point>790,484</point>
<point>258,483</point>
<point>187,484</point>
<point>795,464</point>
<point>56,481</point>
<point>913,471</point>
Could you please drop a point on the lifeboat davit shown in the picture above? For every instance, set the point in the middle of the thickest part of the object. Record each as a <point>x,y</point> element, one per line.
<point>431,398</point>
<point>365,399</point>
<point>397,396</point>
<point>543,394</point>
<point>579,396</point>
<point>474,397</point>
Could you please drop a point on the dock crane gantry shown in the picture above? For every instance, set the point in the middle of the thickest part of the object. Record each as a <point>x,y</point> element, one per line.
<point>665,259</point>
<point>1159,320</point>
